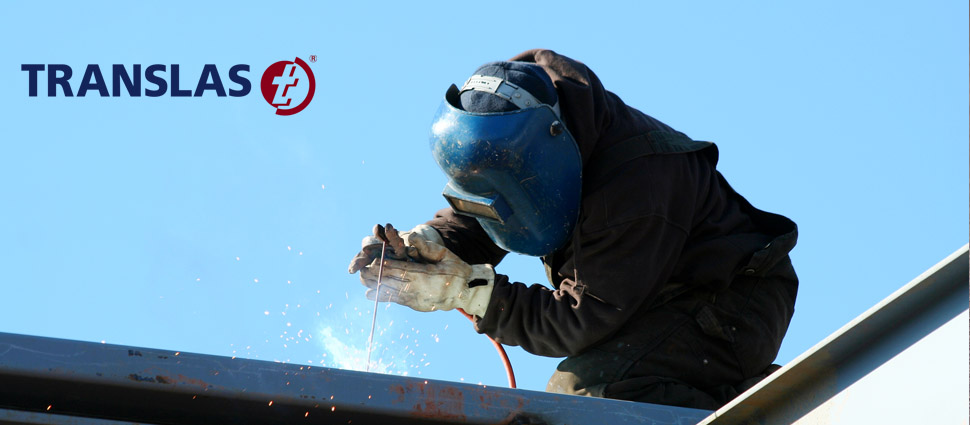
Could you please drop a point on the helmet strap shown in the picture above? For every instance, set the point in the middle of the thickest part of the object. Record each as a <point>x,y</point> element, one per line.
<point>518,96</point>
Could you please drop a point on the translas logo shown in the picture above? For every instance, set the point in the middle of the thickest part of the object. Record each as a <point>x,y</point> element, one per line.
<point>287,86</point>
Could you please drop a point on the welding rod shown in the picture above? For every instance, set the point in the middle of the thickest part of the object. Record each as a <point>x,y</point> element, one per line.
<point>377,296</point>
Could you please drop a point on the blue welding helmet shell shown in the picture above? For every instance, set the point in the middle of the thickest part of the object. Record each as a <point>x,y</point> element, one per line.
<point>519,173</point>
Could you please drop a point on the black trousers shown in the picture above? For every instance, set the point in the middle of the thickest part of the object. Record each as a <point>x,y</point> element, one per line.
<point>700,349</point>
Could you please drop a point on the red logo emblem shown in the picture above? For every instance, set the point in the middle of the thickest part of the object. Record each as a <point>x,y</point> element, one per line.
<point>288,86</point>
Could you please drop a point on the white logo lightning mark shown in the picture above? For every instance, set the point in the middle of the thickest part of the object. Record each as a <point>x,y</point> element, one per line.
<point>284,82</point>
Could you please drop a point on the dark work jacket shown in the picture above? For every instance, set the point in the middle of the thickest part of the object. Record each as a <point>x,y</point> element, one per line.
<point>652,228</point>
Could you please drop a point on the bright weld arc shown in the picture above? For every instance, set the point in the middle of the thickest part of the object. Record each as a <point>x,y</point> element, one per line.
<point>377,297</point>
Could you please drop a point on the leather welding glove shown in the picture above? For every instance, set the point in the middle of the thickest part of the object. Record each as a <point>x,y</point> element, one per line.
<point>442,282</point>
<point>397,247</point>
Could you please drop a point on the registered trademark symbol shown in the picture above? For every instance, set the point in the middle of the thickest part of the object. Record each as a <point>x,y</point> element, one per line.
<point>313,58</point>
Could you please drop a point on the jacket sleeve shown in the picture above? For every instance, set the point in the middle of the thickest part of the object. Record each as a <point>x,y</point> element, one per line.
<point>617,276</point>
<point>629,242</point>
<point>619,269</point>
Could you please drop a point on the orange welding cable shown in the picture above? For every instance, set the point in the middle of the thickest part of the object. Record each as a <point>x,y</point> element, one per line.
<point>501,352</point>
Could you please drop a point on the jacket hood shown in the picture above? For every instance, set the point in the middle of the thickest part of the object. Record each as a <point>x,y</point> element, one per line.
<point>595,117</point>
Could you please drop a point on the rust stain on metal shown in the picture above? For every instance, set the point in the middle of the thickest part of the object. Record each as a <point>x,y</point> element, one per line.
<point>157,379</point>
<point>193,381</point>
<point>138,378</point>
<point>512,402</point>
<point>161,376</point>
<point>432,401</point>
<point>399,390</point>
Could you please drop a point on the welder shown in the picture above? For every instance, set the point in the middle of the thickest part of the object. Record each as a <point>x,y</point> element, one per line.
<point>669,286</point>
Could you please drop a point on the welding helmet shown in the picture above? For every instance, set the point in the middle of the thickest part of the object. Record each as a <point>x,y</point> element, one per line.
<point>510,161</point>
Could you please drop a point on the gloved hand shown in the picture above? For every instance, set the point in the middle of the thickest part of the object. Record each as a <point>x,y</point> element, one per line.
<point>397,246</point>
<point>442,281</point>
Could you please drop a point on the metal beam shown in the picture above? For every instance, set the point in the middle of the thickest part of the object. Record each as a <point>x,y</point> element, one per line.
<point>45,380</point>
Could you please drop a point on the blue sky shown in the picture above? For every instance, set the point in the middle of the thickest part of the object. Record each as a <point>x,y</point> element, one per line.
<point>212,225</point>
